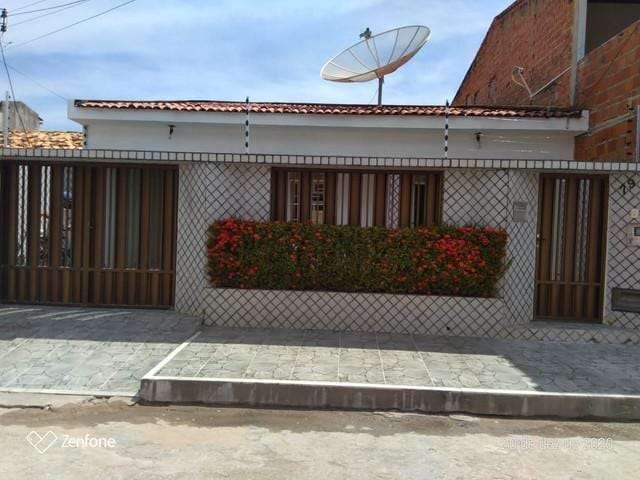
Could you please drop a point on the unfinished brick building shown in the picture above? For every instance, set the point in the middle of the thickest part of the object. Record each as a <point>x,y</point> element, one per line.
<point>578,53</point>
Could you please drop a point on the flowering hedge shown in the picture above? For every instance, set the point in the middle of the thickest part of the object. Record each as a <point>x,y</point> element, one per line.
<point>290,256</point>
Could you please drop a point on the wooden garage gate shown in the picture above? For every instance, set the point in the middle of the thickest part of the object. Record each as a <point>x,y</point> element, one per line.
<point>95,235</point>
<point>571,247</point>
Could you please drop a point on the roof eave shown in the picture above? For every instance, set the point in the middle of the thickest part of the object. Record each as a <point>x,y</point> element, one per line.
<point>87,116</point>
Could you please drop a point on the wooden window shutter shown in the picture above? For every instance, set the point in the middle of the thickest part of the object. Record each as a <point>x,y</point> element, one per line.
<point>354,201</point>
<point>380,209</point>
<point>406,182</point>
<point>278,195</point>
<point>330,198</point>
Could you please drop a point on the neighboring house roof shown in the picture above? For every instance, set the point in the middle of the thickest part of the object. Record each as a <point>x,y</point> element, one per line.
<point>45,139</point>
<point>329,109</point>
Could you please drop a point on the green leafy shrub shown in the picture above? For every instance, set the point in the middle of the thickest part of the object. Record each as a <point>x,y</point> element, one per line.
<point>465,261</point>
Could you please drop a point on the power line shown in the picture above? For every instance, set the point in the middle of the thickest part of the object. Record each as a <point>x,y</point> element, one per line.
<point>120,5</point>
<point>30,5</point>
<point>55,7</point>
<point>44,87</point>
<point>13,93</point>
<point>47,14</point>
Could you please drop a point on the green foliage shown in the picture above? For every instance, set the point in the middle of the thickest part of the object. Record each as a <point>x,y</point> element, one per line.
<point>465,261</point>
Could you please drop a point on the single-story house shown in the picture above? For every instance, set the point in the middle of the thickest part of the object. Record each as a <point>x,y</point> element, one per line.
<point>123,221</point>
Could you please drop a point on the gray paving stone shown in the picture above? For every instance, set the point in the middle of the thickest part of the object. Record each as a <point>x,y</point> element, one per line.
<point>51,348</point>
<point>413,361</point>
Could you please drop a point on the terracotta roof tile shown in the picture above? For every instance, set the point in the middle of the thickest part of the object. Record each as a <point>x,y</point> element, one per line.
<point>328,109</point>
<point>45,139</point>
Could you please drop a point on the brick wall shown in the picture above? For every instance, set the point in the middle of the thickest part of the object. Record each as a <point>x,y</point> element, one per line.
<point>609,86</point>
<point>533,34</point>
<point>538,35</point>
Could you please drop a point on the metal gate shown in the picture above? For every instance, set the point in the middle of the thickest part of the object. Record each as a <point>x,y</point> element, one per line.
<point>571,247</point>
<point>87,234</point>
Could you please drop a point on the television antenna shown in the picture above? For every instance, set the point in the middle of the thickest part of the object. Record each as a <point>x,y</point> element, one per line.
<point>376,56</point>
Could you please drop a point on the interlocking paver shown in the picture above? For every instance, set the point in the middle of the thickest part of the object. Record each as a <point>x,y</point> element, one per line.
<point>82,349</point>
<point>448,362</point>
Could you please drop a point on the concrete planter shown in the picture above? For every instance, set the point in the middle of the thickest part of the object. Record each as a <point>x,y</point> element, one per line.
<point>368,312</point>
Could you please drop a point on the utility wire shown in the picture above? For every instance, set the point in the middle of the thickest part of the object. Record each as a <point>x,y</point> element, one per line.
<point>47,14</point>
<point>13,93</point>
<point>120,5</point>
<point>55,7</point>
<point>44,87</point>
<point>29,5</point>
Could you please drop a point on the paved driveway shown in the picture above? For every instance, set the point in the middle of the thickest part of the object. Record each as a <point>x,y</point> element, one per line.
<point>85,350</point>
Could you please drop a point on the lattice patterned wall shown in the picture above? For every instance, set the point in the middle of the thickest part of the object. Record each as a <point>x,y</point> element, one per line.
<point>519,281</point>
<point>363,312</point>
<point>623,261</point>
<point>191,237</point>
<point>475,197</point>
<point>209,191</point>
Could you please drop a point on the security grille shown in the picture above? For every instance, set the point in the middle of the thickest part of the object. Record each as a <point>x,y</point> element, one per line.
<point>88,235</point>
<point>571,245</point>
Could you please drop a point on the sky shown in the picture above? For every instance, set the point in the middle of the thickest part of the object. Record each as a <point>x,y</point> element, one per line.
<point>269,50</point>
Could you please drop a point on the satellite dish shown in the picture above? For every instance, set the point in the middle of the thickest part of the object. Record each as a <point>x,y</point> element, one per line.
<point>376,56</point>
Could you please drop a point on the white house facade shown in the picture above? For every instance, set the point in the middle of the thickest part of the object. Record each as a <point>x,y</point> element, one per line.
<point>573,253</point>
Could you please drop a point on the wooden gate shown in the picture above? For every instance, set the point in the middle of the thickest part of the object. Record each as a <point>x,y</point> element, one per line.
<point>87,234</point>
<point>571,247</point>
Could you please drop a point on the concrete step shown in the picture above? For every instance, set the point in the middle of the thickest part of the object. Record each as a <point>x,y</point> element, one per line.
<point>329,395</point>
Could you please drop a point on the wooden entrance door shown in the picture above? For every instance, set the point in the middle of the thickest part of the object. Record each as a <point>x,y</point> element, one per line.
<point>571,247</point>
<point>99,235</point>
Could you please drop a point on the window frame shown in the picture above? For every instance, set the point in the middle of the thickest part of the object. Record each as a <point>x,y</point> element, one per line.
<point>377,190</point>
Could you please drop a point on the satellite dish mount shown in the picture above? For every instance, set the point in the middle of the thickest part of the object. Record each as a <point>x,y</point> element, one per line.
<point>380,83</point>
<point>376,56</point>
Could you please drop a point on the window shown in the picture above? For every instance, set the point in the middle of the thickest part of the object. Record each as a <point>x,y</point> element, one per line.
<point>342,199</point>
<point>607,18</point>
<point>317,197</point>
<point>293,197</point>
<point>425,197</point>
<point>366,199</point>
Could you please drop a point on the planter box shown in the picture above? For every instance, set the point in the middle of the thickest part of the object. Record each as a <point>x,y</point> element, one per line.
<point>363,312</point>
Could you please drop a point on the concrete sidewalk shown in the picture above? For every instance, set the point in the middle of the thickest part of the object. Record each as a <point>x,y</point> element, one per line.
<point>84,350</point>
<point>315,369</point>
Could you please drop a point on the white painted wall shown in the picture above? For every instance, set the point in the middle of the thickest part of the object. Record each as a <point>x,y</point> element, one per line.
<point>308,140</point>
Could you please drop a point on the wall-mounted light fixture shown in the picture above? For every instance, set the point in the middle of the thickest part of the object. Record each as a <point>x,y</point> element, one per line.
<point>171,127</point>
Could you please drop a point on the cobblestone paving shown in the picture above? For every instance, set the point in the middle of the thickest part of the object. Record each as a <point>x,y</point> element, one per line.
<point>408,360</point>
<point>81,349</point>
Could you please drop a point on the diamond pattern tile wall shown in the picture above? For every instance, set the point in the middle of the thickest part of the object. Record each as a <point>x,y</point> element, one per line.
<point>412,314</point>
<point>623,261</point>
<point>475,197</point>
<point>519,281</point>
<point>210,191</point>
